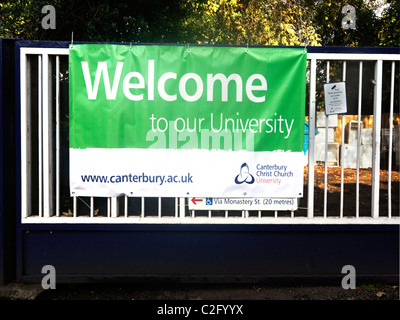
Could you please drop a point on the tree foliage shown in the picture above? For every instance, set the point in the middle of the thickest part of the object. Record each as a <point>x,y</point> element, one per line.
<point>94,20</point>
<point>389,33</point>
<point>16,19</point>
<point>256,22</point>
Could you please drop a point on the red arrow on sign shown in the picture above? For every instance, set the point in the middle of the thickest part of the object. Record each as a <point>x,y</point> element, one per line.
<point>194,200</point>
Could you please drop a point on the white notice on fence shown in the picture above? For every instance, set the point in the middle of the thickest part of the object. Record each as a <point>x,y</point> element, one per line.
<point>335,98</point>
<point>267,204</point>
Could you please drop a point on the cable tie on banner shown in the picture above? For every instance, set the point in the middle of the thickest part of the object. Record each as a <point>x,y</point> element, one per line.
<point>247,50</point>
<point>130,46</point>
<point>188,49</point>
<point>72,39</point>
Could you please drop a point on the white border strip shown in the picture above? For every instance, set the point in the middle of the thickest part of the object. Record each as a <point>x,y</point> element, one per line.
<point>206,220</point>
<point>353,56</point>
<point>48,51</point>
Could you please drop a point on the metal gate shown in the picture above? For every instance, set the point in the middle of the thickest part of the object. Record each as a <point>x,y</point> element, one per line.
<point>44,152</point>
<point>144,238</point>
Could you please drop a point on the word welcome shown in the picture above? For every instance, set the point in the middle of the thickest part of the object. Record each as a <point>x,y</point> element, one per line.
<point>134,84</point>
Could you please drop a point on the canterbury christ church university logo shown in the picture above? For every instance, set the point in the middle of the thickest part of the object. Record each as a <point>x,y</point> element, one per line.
<point>244,175</point>
<point>265,173</point>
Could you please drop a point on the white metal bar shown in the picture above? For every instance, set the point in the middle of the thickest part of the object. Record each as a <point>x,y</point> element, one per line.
<point>46,136</point>
<point>40,136</point>
<point>126,206</point>
<point>91,207</point>
<point>342,166</point>
<point>108,207</point>
<point>326,149</point>
<point>359,139</point>
<point>49,51</point>
<point>176,208</point>
<point>142,208</point>
<point>206,220</point>
<point>114,207</point>
<point>74,206</point>
<point>25,138</point>
<point>391,141</point>
<point>353,56</point>
<point>311,140</point>
<point>181,207</point>
<point>376,139</point>
<point>310,56</point>
<point>159,207</point>
<point>57,136</point>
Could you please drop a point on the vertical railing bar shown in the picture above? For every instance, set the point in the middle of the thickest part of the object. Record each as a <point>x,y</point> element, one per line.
<point>376,139</point>
<point>326,148</point>
<point>226,213</point>
<point>108,207</point>
<point>159,207</point>
<point>276,214</point>
<point>40,125</point>
<point>142,208</point>
<point>176,208</point>
<point>47,171</point>
<point>126,206</point>
<point>114,207</point>
<point>359,139</point>
<point>311,140</point>
<point>390,142</point>
<point>26,183</point>
<point>209,213</point>
<point>259,213</point>
<point>57,136</point>
<point>91,207</point>
<point>342,154</point>
<point>182,207</point>
<point>74,206</point>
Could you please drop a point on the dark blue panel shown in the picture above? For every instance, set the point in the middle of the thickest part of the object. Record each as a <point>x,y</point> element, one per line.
<point>7,161</point>
<point>212,253</point>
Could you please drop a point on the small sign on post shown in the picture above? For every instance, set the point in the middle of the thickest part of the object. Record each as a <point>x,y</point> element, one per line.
<point>335,98</point>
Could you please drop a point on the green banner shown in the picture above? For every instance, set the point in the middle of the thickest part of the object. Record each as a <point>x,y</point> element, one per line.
<point>153,96</point>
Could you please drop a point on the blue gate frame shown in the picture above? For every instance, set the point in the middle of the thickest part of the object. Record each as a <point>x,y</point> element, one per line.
<point>185,253</point>
<point>7,161</point>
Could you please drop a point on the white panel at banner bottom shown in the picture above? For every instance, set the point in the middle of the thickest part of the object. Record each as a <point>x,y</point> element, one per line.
<point>266,204</point>
<point>185,173</point>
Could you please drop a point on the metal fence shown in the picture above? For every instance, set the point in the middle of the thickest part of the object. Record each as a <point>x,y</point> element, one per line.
<point>45,194</point>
